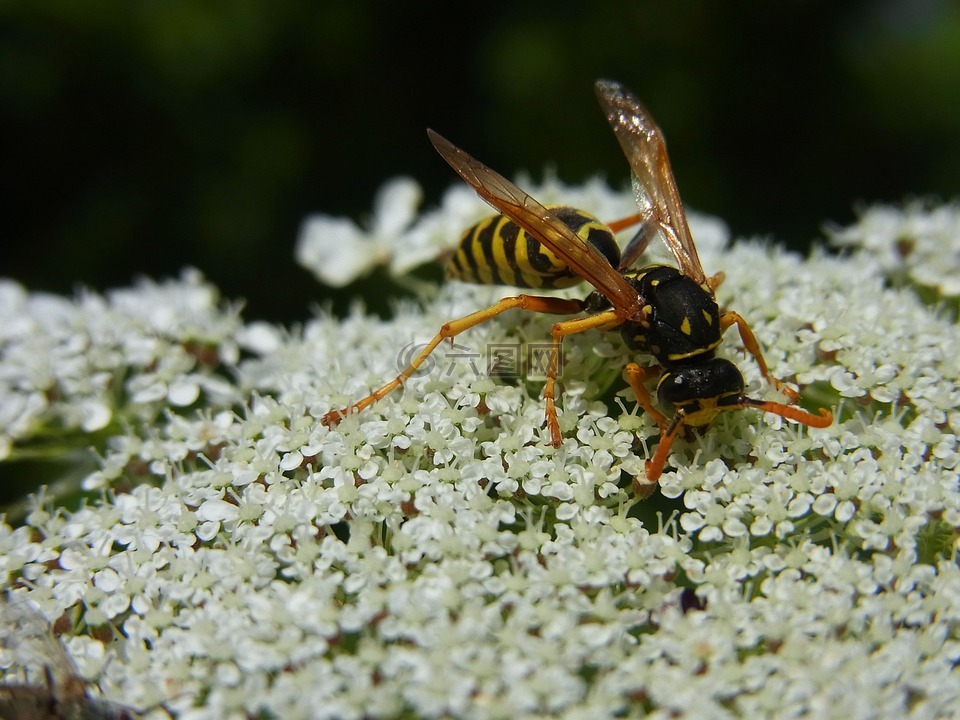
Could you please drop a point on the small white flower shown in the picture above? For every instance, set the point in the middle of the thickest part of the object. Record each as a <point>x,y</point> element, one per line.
<point>338,251</point>
<point>434,555</point>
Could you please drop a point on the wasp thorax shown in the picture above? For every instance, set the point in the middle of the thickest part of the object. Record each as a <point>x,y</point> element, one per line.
<point>679,321</point>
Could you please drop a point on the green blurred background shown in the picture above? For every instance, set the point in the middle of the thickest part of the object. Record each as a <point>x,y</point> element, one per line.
<point>140,137</point>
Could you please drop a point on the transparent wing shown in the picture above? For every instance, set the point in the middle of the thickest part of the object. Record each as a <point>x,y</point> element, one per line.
<point>542,224</point>
<point>654,184</point>
<point>638,244</point>
<point>28,647</point>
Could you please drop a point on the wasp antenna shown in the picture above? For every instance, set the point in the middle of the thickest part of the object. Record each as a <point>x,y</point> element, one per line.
<point>824,419</point>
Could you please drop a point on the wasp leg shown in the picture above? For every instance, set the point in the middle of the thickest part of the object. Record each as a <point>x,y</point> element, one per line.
<point>556,306</point>
<point>716,280</point>
<point>654,466</point>
<point>637,376</point>
<point>629,221</point>
<point>824,419</point>
<point>753,347</point>
<point>602,321</point>
<point>639,242</point>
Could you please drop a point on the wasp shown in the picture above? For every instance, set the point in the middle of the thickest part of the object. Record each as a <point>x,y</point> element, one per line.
<point>63,694</point>
<point>668,313</point>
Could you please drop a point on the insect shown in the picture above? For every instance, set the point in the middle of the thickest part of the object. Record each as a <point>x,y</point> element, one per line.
<point>27,642</point>
<point>669,313</point>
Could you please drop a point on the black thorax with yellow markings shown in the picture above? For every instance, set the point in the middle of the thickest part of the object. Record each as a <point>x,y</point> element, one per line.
<point>681,322</point>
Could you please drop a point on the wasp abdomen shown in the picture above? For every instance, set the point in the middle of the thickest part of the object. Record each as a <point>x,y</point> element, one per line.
<point>496,251</point>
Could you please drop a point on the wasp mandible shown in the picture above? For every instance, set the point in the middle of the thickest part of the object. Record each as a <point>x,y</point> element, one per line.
<point>669,313</point>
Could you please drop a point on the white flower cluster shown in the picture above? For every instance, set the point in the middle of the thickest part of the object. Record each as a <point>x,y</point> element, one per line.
<point>79,365</point>
<point>916,244</point>
<point>434,556</point>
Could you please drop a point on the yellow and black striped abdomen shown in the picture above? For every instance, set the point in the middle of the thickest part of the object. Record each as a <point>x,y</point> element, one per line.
<point>496,251</point>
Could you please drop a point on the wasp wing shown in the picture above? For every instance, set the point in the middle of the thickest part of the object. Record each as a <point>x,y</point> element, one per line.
<point>656,190</point>
<point>542,224</point>
<point>27,637</point>
<point>639,243</point>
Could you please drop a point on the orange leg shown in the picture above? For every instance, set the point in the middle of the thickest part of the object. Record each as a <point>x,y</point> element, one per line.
<point>654,466</point>
<point>624,223</point>
<point>824,419</point>
<point>637,376</point>
<point>753,347</point>
<point>557,306</point>
<point>603,321</point>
